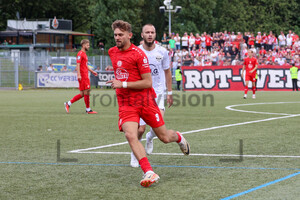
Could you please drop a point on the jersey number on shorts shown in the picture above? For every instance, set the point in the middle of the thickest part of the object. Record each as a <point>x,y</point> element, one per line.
<point>157,117</point>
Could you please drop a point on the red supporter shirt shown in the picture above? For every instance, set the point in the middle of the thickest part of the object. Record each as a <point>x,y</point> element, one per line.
<point>208,41</point>
<point>128,66</point>
<point>83,60</point>
<point>250,63</point>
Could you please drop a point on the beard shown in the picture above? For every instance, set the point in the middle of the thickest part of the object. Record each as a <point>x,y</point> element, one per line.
<point>120,44</point>
<point>86,49</point>
<point>148,44</point>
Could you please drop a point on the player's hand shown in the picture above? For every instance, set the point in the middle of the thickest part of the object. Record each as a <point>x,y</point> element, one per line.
<point>170,100</point>
<point>95,73</point>
<point>115,83</point>
<point>79,77</point>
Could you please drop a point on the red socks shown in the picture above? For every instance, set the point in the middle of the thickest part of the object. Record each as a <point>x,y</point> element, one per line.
<point>253,89</point>
<point>246,89</point>
<point>76,98</point>
<point>145,165</point>
<point>179,137</point>
<point>87,101</point>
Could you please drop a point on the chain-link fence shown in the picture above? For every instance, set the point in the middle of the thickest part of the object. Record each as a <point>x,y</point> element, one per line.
<point>18,66</point>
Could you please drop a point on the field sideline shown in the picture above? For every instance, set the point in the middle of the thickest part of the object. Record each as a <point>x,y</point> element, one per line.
<point>32,121</point>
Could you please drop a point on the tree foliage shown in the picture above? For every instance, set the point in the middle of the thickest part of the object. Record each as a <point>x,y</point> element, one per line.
<point>195,16</point>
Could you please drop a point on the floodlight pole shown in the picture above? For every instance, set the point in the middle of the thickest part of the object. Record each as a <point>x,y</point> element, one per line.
<point>169,22</point>
<point>169,8</point>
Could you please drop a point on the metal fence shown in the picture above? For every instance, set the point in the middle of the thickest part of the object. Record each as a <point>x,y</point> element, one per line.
<point>18,67</point>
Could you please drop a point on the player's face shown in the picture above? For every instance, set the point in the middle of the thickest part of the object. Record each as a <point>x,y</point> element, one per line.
<point>122,38</point>
<point>149,35</point>
<point>86,46</point>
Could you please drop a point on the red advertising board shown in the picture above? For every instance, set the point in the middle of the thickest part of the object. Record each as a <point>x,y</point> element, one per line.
<point>222,78</point>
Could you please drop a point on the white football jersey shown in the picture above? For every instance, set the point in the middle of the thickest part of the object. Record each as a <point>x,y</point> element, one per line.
<point>158,61</point>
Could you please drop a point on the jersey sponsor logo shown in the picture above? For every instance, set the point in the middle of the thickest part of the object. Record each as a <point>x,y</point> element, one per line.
<point>78,57</point>
<point>119,63</point>
<point>154,70</point>
<point>122,74</point>
<point>250,66</point>
<point>158,58</point>
<point>145,60</point>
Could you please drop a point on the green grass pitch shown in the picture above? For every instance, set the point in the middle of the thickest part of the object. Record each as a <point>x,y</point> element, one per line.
<point>32,121</point>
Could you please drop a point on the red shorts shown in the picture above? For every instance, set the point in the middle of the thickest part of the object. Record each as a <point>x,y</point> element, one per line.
<point>250,77</point>
<point>84,84</point>
<point>149,113</point>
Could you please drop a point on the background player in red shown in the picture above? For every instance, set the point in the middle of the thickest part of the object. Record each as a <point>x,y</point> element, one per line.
<point>135,96</point>
<point>250,65</point>
<point>83,78</point>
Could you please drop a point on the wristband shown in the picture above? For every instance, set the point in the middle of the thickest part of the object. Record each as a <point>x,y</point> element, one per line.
<point>124,84</point>
<point>169,92</point>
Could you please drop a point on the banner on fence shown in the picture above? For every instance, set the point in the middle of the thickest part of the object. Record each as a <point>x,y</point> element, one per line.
<point>57,80</point>
<point>270,77</point>
<point>104,77</point>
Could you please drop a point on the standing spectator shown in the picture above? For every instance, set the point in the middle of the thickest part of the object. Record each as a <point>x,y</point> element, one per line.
<point>262,51</point>
<point>197,41</point>
<point>232,37</point>
<point>234,52</point>
<point>185,41</point>
<point>214,57</point>
<point>246,38</point>
<point>51,68</point>
<point>282,39</point>
<point>294,76</point>
<point>64,69</point>
<point>270,41</point>
<point>258,40</point>
<point>165,40</point>
<point>264,41</point>
<point>172,43</point>
<point>203,44</point>
<point>208,42</point>
<point>177,41</point>
<point>251,41</point>
<point>289,40</point>
<point>178,77</point>
<point>40,69</point>
<point>191,41</point>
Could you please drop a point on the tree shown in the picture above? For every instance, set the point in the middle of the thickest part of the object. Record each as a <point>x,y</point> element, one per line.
<point>105,12</point>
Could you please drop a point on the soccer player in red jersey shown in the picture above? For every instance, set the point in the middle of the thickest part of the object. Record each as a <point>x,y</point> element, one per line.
<point>250,65</point>
<point>83,78</point>
<point>136,98</point>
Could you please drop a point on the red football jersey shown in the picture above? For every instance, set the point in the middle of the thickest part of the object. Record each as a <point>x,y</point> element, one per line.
<point>83,60</point>
<point>250,64</point>
<point>128,66</point>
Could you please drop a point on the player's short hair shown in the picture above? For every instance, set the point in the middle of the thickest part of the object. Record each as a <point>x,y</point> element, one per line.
<point>84,41</point>
<point>122,25</point>
<point>148,25</point>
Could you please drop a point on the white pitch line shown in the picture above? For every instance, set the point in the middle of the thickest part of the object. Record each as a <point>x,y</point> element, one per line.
<point>188,132</point>
<point>255,112</point>
<point>211,128</point>
<point>197,154</point>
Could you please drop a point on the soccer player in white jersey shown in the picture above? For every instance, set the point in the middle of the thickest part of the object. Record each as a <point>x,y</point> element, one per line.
<point>161,79</point>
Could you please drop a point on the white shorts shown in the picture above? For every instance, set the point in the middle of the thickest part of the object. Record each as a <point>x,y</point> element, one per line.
<point>160,100</point>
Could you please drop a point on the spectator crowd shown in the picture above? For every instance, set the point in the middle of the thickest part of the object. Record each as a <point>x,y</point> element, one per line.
<point>227,48</point>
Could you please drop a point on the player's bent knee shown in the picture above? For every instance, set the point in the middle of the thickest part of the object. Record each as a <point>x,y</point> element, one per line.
<point>130,136</point>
